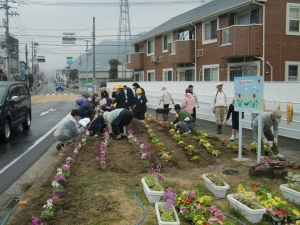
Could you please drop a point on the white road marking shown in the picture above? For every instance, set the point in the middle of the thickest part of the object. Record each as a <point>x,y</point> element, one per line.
<point>50,110</point>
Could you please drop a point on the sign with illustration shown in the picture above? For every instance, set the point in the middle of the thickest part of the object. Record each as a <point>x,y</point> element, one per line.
<point>249,94</point>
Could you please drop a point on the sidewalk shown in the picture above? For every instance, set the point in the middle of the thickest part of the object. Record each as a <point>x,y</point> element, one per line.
<point>288,147</point>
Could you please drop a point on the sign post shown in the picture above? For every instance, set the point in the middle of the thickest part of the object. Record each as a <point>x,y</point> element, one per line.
<point>249,97</point>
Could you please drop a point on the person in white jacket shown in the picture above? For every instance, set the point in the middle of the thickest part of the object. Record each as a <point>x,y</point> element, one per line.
<point>68,129</point>
<point>219,106</point>
<point>166,98</point>
<point>191,87</point>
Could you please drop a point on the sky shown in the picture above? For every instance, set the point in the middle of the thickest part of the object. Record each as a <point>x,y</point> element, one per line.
<point>44,22</point>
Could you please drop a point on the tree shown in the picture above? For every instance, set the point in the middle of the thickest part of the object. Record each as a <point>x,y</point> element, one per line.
<point>73,74</point>
<point>113,71</point>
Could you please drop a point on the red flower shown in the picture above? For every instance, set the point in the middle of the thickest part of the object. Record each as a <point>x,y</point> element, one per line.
<point>254,186</point>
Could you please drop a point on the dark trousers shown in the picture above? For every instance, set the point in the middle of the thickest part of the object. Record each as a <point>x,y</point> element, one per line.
<point>126,119</point>
<point>194,113</point>
<point>128,105</point>
<point>270,137</point>
<point>139,115</point>
<point>166,106</point>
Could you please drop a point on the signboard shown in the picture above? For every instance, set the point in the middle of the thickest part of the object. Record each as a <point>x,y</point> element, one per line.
<point>249,94</point>
<point>90,84</point>
<point>69,60</point>
<point>69,38</point>
<point>22,70</point>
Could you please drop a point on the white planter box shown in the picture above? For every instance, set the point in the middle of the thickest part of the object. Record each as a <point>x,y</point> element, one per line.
<point>152,196</point>
<point>252,215</point>
<point>218,191</point>
<point>290,194</point>
<point>177,222</point>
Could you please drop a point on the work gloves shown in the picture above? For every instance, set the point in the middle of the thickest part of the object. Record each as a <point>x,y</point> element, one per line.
<point>186,119</point>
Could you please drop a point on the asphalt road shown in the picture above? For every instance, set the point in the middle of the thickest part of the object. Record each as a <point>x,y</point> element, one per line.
<point>26,147</point>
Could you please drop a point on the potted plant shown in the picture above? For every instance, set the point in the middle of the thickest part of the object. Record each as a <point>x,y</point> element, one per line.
<point>152,185</point>
<point>165,211</point>
<point>214,181</point>
<point>248,204</point>
<point>291,190</point>
<point>253,147</point>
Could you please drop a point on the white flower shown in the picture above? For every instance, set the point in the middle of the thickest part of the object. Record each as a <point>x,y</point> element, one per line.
<point>87,133</point>
<point>65,165</point>
<point>55,183</point>
<point>76,151</point>
<point>130,136</point>
<point>59,171</point>
<point>69,159</point>
<point>141,145</point>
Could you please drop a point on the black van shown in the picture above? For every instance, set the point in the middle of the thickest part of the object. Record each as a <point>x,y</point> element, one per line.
<point>15,107</point>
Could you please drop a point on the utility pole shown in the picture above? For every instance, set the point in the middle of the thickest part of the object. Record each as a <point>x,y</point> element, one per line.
<point>94,58</point>
<point>7,39</point>
<point>87,65</point>
<point>26,61</point>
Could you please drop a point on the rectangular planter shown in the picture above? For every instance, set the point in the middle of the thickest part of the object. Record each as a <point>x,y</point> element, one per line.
<point>252,215</point>
<point>218,191</point>
<point>290,194</point>
<point>152,196</point>
<point>160,222</point>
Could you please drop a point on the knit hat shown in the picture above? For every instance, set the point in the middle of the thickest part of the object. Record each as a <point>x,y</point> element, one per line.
<point>177,106</point>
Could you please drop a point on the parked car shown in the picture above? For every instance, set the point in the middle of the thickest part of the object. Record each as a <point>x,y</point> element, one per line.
<point>15,107</point>
<point>59,86</point>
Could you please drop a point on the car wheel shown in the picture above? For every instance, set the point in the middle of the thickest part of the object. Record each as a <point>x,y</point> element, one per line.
<point>27,123</point>
<point>6,132</point>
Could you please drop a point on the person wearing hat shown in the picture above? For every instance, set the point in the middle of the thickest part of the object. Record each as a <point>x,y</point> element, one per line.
<point>114,93</point>
<point>235,120</point>
<point>129,97</point>
<point>188,102</point>
<point>104,93</point>
<point>186,122</point>
<point>268,120</point>
<point>120,98</point>
<point>80,102</point>
<point>139,105</point>
<point>191,87</point>
<point>219,106</point>
<point>117,120</point>
<point>166,98</point>
<point>136,86</point>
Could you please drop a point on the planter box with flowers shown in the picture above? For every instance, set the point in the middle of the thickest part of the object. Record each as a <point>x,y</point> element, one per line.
<point>165,211</point>
<point>152,186</point>
<point>291,190</point>
<point>214,181</point>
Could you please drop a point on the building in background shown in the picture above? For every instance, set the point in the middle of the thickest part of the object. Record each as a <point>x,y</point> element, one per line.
<point>124,72</point>
<point>221,40</point>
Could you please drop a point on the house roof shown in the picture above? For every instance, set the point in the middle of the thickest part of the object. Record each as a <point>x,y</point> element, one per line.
<point>196,14</point>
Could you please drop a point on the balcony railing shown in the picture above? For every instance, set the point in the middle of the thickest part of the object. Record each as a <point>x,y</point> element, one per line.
<point>182,51</point>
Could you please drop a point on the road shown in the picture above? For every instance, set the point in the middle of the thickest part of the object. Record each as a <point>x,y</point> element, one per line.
<point>48,108</point>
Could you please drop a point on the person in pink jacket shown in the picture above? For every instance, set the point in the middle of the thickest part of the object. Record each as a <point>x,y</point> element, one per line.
<point>188,102</point>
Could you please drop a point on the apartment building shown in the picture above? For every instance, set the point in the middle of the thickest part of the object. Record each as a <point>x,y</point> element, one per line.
<point>221,40</point>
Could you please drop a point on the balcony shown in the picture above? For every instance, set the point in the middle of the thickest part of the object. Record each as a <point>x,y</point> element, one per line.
<point>135,60</point>
<point>241,40</point>
<point>182,51</point>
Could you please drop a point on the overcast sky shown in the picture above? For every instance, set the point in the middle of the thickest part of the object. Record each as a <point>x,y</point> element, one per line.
<point>45,21</point>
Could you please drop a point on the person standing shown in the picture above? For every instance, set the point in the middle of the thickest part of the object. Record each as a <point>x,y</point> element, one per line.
<point>186,122</point>
<point>129,97</point>
<point>104,93</point>
<point>139,106</point>
<point>166,98</point>
<point>136,86</point>
<point>253,116</point>
<point>120,98</point>
<point>68,129</point>
<point>114,93</point>
<point>188,102</point>
<point>235,120</point>
<point>219,106</point>
<point>191,87</point>
<point>268,120</point>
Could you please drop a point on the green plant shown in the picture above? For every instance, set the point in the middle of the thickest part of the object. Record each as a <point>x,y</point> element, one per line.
<point>293,181</point>
<point>248,198</point>
<point>215,175</point>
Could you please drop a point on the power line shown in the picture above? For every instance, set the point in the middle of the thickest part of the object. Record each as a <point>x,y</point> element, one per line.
<point>80,29</point>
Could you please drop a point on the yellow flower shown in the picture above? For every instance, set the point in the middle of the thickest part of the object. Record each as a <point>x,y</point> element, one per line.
<point>296,212</point>
<point>298,222</point>
<point>240,188</point>
<point>277,199</point>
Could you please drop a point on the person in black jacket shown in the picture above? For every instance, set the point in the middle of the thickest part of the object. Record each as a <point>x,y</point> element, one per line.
<point>235,120</point>
<point>97,126</point>
<point>114,93</point>
<point>136,86</point>
<point>139,106</point>
<point>129,97</point>
<point>120,98</point>
<point>86,109</point>
<point>104,93</point>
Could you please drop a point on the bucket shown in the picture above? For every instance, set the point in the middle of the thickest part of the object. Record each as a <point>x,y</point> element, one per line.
<point>270,143</point>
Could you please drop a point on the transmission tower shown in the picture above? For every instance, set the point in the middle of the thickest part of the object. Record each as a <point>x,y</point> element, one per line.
<point>124,33</point>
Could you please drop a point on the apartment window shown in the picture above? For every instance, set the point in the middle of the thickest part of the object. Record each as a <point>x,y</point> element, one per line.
<point>293,19</point>
<point>211,73</point>
<point>150,45</point>
<point>166,39</point>
<point>292,71</point>
<point>210,31</point>
<point>129,58</point>
<point>168,75</point>
<point>151,76</point>
<point>250,17</point>
<point>139,76</point>
<point>226,36</point>
<point>141,47</point>
<point>242,71</point>
<point>187,75</point>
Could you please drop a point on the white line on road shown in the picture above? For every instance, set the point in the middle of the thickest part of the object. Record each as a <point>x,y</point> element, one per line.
<point>29,149</point>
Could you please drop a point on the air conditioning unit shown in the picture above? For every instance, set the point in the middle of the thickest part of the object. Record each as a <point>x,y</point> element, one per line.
<point>154,59</point>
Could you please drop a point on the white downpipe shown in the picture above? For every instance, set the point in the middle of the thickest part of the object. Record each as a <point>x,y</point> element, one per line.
<point>264,36</point>
<point>195,51</point>
<point>271,67</point>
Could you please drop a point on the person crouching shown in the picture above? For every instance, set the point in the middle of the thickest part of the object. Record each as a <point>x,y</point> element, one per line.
<point>186,122</point>
<point>139,105</point>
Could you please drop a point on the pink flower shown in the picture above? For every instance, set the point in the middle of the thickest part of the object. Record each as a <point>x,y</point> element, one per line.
<point>54,199</point>
<point>212,208</point>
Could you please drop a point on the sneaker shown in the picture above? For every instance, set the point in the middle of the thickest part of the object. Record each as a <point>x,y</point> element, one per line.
<point>59,146</point>
<point>232,138</point>
<point>123,135</point>
<point>178,132</point>
<point>118,137</point>
<point>70,142</point>
<point>188,132</point>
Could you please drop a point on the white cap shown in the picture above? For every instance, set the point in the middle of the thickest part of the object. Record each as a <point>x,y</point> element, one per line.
<point>89,99</point>
<point>218,84</point>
